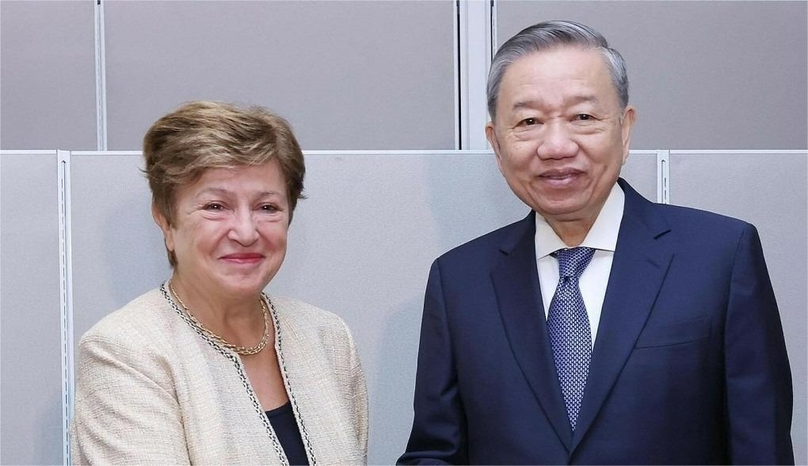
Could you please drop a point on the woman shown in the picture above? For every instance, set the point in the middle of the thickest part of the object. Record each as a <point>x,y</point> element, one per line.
<point>207,368</point>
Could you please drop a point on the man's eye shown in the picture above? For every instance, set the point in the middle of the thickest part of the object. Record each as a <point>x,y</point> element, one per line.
<point>530,122</point>
<point>214,206</point>
<point>584,117</point>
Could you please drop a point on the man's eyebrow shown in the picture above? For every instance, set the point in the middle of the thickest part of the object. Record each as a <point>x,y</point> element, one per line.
<point>584,98</point>
<point>531,103</point>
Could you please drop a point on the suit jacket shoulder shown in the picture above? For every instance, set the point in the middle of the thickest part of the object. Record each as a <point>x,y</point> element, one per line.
<point>681,230</point>
<point>486,248</point>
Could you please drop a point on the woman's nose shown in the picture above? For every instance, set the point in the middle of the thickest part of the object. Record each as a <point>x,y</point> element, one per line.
<point>244,228</point>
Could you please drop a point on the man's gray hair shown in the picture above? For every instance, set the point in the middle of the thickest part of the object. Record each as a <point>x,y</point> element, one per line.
<point>547,35</point>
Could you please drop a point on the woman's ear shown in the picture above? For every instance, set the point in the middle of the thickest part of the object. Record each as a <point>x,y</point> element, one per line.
<point>164,225</point>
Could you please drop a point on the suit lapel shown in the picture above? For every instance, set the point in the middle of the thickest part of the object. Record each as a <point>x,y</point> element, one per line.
<point>638,270</point>
<point>520,305</point>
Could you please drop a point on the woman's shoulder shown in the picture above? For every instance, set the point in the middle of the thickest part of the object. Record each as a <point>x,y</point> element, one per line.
<point>298,313</point>
<point>146,314</point>
<point>322,338</point>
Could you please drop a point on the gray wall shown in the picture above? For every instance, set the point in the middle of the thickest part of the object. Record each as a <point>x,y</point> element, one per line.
<point>347,75</point>
<point>381,75</point>
<point>47,75</point>
<point>703,74</point>
<point>360,75</point>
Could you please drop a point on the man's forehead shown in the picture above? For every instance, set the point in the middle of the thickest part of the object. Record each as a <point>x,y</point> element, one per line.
<point>573,56</point>
<point>582,74</point>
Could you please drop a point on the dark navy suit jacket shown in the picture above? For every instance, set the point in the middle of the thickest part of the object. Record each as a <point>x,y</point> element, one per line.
<point>689,365</point>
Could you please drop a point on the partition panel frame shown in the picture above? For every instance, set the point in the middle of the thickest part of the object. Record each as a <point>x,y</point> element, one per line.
<point>100,76</point>
<point>475,25</point>
<point>66,299</point>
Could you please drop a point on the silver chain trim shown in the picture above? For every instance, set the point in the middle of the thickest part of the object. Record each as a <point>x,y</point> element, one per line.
<point>242,376</point>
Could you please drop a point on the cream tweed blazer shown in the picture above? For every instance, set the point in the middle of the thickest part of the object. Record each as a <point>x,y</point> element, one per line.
<point>152,390</point>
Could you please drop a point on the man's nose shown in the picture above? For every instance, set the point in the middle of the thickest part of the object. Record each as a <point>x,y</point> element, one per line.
<point>557,141</point>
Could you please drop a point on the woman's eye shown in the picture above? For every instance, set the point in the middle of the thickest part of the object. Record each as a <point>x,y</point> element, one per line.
<point>269,208</point>
<point>214,206</point>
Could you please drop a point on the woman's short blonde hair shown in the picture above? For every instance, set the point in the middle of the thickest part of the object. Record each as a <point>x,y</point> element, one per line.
<point>181,145</point>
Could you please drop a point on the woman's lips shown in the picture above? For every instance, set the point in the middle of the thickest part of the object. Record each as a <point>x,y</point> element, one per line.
<point>243,258</point>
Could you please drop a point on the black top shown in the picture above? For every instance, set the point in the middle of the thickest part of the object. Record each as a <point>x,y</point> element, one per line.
<point>285,426</point>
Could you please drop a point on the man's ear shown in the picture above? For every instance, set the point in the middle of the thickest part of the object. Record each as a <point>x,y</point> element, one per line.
<point>629,117</point>
<point>491,135</point>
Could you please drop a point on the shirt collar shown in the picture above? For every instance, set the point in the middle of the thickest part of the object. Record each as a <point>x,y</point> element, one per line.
<point>602,235</point>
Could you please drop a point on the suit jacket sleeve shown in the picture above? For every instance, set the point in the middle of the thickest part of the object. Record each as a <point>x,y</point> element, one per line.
<point>439,427</point>
<point>125,409</point>
<point>758,377</point>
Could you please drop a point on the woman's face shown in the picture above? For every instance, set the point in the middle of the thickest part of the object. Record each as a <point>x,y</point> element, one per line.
<point>229,230</point>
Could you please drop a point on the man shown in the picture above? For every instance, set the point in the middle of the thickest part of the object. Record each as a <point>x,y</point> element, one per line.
<point>602,328</point>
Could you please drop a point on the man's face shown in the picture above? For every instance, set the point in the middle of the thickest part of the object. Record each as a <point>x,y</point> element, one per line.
<point>559,134</point>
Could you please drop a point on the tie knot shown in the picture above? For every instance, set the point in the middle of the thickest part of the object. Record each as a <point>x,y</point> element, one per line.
<point>573,261</point>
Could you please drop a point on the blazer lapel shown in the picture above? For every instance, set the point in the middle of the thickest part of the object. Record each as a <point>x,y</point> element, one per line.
<point>638,270</point>
<point>518,295</point>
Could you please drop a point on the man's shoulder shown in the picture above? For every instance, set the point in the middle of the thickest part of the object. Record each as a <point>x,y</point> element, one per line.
<point>677,216</point>
<point>491,243</point>
<point>694,230</point>
<point>683,217</point>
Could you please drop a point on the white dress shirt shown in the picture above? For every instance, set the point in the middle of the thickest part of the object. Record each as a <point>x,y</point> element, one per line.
<point>602,237</point>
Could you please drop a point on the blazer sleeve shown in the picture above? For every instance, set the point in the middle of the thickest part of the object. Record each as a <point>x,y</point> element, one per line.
<point>439,426</point>
<point>126,411</point>
<point>358,390</point>
<point>758,377</point>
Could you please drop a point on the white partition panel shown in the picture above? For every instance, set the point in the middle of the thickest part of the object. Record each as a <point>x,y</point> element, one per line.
<point>118,251</point>
<point>30,330</point>
<point>642,173</point>
<point>770,190</point>
<point>360,246</point>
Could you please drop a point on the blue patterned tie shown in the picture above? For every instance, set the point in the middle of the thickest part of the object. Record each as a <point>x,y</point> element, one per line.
<point>568,326</point>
